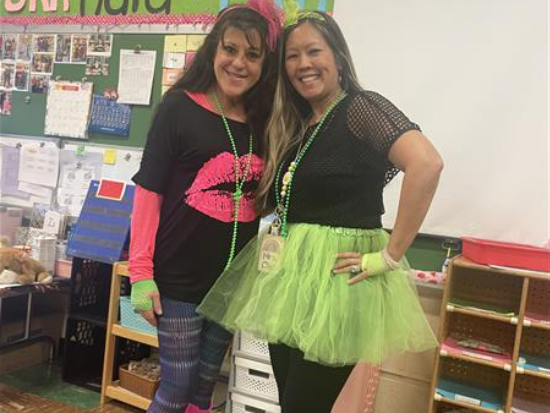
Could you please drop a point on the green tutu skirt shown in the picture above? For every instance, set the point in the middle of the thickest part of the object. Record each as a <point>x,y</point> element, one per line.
<point>302,305</point>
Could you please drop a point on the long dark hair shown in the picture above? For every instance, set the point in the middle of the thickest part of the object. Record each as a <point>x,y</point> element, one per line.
<point>200,77</point>
<point>287,122</point>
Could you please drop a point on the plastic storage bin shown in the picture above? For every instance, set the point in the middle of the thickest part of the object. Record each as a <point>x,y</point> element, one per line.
<point>132,320</point>
<point>507,254</point>
<point>83,358</point>
<point>243,404</point>
<point>248,346</point>
<point>255,378</point>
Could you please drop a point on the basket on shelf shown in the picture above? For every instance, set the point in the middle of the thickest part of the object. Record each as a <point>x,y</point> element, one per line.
<point>132,320</point>
<point>140,385</point>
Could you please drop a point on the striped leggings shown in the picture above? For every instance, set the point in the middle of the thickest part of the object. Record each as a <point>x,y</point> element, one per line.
<point>191,352</point>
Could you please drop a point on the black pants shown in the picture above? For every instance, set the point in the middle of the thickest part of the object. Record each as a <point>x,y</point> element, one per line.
<point>304,386</point>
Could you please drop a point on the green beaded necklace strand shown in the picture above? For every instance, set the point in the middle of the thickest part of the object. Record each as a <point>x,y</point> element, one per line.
<point>239,183</point>
<point>283,196</point>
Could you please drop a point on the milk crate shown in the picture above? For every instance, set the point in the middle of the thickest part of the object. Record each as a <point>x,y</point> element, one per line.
<point>239,403</point>
<point>248,346</point>
<point>90,288</point>
<point>255,378</point>
<point>83,353</point>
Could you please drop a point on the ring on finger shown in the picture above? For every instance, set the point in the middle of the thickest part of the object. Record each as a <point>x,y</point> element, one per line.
<point>355,269</point>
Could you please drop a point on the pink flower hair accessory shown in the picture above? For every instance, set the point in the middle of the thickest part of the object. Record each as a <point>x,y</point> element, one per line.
<point>272,14</point>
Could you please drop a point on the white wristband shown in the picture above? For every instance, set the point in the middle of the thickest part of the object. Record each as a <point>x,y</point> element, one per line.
<point>394,265</point>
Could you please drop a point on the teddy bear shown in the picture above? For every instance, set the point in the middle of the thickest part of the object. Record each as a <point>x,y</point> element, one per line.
<point>17,267</point>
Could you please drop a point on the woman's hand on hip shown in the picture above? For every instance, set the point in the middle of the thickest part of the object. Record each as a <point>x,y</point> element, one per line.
<point>360,266</point>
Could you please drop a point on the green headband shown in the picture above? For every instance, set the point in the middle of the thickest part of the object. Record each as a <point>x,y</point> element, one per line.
<point>293,14</point>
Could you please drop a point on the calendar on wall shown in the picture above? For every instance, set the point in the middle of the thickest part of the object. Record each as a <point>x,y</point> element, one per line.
<point>68,109</point>
<point>110,117</point>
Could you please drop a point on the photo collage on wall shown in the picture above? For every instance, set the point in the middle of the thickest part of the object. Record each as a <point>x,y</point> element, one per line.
<point>27,60</point>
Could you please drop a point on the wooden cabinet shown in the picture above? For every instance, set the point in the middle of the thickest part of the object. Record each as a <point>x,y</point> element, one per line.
<point>110,389</point>
<point>494,341</point>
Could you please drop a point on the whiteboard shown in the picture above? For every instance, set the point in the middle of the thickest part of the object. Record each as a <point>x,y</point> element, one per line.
<point>474,75</point>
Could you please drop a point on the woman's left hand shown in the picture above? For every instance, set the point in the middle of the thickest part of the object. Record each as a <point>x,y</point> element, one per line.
<point>360,266</point>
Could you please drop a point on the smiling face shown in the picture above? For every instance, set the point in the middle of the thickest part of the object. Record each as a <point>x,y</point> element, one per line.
<point>238,62</point>
<point>311,66</point>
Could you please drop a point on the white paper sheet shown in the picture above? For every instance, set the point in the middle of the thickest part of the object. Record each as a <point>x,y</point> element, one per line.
<point>68,109</point>
<point>37,191</point>
<point>135,79</point>
<point>174,60</point>
<point>126,161</point>
<point>72,202</point>
<point>39,164</point>
<point>126,166</point>
<point>9,179</point>
<point>75,174</point>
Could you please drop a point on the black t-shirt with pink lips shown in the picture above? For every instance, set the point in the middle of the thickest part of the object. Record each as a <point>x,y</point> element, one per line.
<point>189,161</point>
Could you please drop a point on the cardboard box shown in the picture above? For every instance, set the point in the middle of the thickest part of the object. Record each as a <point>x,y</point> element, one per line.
<point>419,366</point>
<point>414,396</point>
<point>408,375</point>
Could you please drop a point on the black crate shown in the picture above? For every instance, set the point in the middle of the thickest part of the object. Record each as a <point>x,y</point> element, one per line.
<point>83,355</point>
<point>87,322</point>
<point>90,290</point>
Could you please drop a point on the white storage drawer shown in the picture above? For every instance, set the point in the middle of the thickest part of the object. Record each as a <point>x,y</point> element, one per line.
<point>255,378</point>
<point>244,404</point>
<point>248,346</point>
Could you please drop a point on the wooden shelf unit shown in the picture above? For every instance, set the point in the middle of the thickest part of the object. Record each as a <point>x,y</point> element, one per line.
<point>481,314</point>
<point>472,359</point>
<point>467,405</point>
<point>519,291</point>
<point>110,388</point>
<point>542,375</point>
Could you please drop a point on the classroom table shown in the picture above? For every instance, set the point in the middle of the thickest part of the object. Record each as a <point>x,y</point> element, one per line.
<point>7,291</point>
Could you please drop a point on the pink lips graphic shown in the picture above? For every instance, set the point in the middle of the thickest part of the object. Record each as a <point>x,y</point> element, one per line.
<point>216,203</point>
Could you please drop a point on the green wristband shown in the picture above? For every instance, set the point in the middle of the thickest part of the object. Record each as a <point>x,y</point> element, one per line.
<point>140,298</point>
<point>374,263</point>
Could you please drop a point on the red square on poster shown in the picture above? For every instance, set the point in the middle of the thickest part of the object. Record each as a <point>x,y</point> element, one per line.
<point>109,189</point>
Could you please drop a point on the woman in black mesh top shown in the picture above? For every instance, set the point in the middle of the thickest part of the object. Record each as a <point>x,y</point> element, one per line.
<point>326,286</point>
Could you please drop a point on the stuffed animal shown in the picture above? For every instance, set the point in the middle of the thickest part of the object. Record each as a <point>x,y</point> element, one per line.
<point>17,267</point>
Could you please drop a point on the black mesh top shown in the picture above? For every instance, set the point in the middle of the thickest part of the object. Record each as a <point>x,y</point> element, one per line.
<point>339,182</point>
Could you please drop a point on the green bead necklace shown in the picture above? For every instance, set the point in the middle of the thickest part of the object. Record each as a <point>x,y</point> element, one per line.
<point>283,196</point>
<point>239,183</point>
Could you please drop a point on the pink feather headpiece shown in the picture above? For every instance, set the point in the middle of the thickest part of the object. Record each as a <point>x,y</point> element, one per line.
<point>272,14</point>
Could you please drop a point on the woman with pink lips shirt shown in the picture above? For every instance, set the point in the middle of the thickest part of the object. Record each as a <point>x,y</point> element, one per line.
<point>194,202</point>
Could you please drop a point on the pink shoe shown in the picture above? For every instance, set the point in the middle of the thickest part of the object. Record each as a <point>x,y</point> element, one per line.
<point>191,408</point>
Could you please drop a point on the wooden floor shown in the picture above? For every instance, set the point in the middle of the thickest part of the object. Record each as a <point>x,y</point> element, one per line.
<point>15,401</point>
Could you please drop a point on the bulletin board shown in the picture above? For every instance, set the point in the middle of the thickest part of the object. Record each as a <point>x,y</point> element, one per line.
<point>29,118</point>
<point>130,22</point>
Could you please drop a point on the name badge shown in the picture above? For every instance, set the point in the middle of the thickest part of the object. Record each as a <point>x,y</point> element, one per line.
<point>271,251</point>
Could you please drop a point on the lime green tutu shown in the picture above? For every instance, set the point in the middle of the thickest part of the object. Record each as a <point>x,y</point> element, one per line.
<point>302,305</point>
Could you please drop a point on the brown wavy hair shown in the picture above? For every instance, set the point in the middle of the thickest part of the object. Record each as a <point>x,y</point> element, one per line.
<point>200,77</point>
